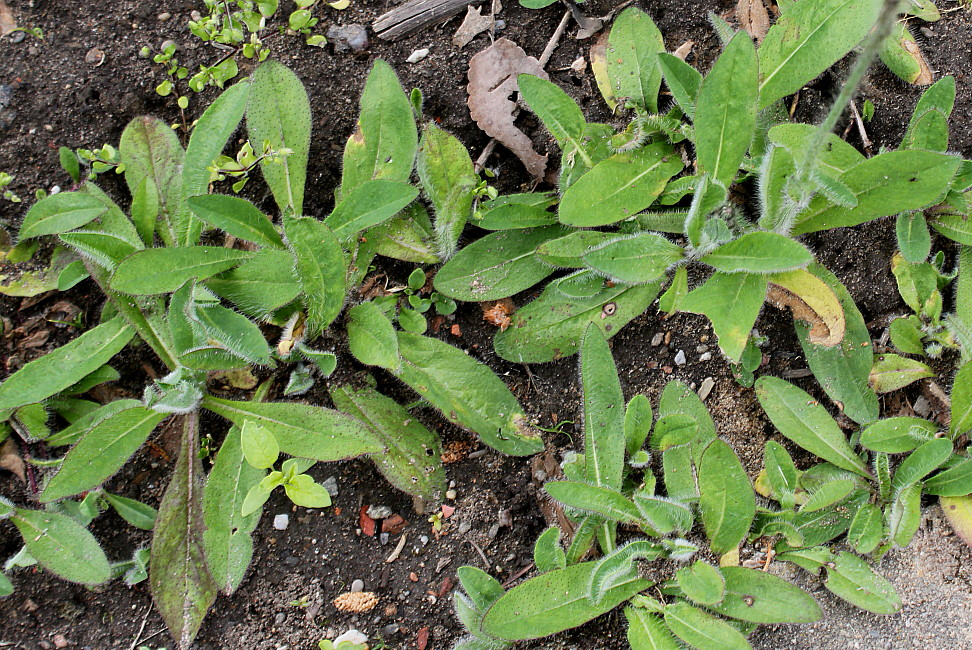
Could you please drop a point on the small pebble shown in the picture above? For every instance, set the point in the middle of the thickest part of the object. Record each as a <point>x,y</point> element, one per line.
<point>17,37</point>
<point>680,358</point>
<point>164,16</point>
<point>391,629</point>
<point>60,641</point>
<point>383,538</point>
<point>424,539</point>
<point>6,95</point>
<point>348,37</point>
<point>451,494</point>
<point>280,522</point>
<point>701,349</point>
<point>500,25</point>
<point>351,636</point>
<point>379,512</point>
<point>706,357</point>
<point>657,339</point>
<point>279,618</point>
<point>357,585</point>
<point>417,55</point>
<point>330,484</point>
<point>94,57</point>
<point>707,385</point>
<point>166,44</point>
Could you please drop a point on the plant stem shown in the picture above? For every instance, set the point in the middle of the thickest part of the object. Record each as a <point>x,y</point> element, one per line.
<point>882,29</point>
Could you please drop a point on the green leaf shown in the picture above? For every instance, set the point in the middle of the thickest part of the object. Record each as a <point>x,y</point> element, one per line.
<point>759,252</point>
<point>781,473</point>
<point>496,266</point>
<point>104,249</point>
<point>678,399</point>
<point>956,481</point>
<point>673,430</point>
<point>259,446</point>
<point>889,183</point>
<point>605,501</point>
<point>700,629</point>
<point>234,332</point>
<point>637,423</point>
<point>145,210</point>
<point>954,226</point>
<point>153,158</point>
<point>237,217</point>
<point>841,369</point>
<point>891,372</point>
<point>853,580</point>
<point>279,112</point>
<point>903,515</point>
<point>303,491</point>
<point>808,39</point>
<point>227,539</point>
<point>102,452</point>
<point>515,211</point>
<point>209,136</point>
<point>725,117</point>
<point>913,237</point>
<point>6,587</point>
<point>619,187</point>
<point>467,393</point>
<point>836,157</point>
<point>64,366</point>
<point>647,631</point>
<point>412,458</point>
<point>302,430</point>
<point>558,112</point>
<point>828,494</point>
<point>760,597</point>
<point>898,434</point>
<point>958,512</point>
<point>901,53</point>
<point>60,213</point>
<point>732,302</point>
<point>726,498</point>
<point>637,259</point>
<point>801,419</point>
<point>179,579</point>
<point>385,142</point>
<point>604,441</point>
<point>483,589</point>
<point>553,602</point>
<point>62,546</point>
<point>70,163</point>
<point>921,462</point>
<point>260,285</point>
<point>683,80</point>
<point>551,326</point>
<point>134,512</point>
<point>867,529</point>
<point>163,270</point>
<point>321,269</point>
<point>961,398</point>
<point>412,321</point>
<point>702,583</point>
<point>371,337</point>
<point>448,178</point>
<point>370,204</point>
<point>568,251</point>
<point>547,552</point>
<point>80,427</point>
<point>928,127</point>
<point>632,59</point>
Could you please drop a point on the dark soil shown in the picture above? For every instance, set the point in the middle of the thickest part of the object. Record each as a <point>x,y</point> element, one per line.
<point>61,100</point>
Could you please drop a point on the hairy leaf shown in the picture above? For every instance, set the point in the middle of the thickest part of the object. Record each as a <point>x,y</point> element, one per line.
<point>60,213</point>
<point>321,269</point>
<point>62,546</point>
<point>632,59</point>
<point>236,216</point>
<point>726,497</point>
<point>732,302</point>
<point>448,178</point>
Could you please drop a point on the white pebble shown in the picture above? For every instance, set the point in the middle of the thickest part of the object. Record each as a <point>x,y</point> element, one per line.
<point>417,55</point>
<point>680,358</point>
<point>351,636</point>
<point>280,522</point>
<point>706,357</point>
<point>451,494</point>
<point>357,585</point>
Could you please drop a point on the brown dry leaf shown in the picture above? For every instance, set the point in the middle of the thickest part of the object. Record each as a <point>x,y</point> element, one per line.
<point>474,24</point>
<point>925,77</point>
<point>10,459</point>
<point>753,17</point>
<point>7,21</point>
<point>492,79</point>
<point>683,50</point>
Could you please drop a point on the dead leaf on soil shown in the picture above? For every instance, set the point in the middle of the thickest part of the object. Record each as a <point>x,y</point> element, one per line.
<point>474,24</point>
<point>492,79</point>
<point>7,21</point>
<point>683,50</point>
<point>753,17</point>
<point>600,69</point>
<point>587,26</point>
<point>10,460</point>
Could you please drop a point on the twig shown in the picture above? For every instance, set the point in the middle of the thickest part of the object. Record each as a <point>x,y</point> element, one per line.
<point>860,128</point>
<point>138,635</point>
<point>519,574</point>
<point>480,551</point>
<point>544,59</point>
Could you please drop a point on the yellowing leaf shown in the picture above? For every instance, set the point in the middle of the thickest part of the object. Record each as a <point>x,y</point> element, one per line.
<point>810,300</point>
